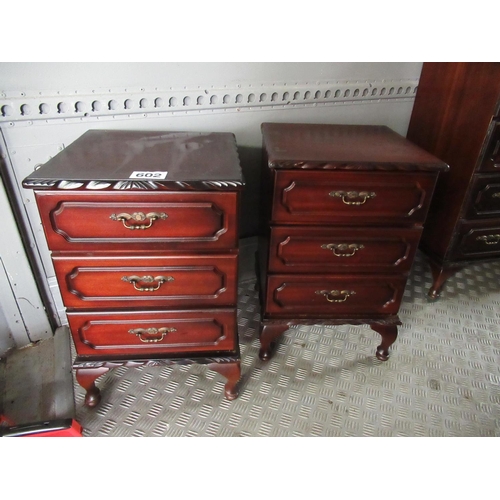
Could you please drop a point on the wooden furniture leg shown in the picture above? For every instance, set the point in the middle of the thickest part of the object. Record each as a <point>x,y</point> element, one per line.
<point>389,334</point>
<point>86,377</point>
<point>268,334</point>
<point>232,372</point>
<point>440,275</point>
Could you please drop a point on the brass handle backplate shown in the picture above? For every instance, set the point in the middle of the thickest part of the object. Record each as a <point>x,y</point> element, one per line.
<point>138,217</point>
<point>336,295</point>
<point>353,197</point>
<point>134,280</point>
<point>142,332</point>
<point>339,249</point>
<point>489,239</point>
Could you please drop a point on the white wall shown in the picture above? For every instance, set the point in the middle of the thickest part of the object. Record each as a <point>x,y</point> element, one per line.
<point>46,106</point>
<point>77,76</point>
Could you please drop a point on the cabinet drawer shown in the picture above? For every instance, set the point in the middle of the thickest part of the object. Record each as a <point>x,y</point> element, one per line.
<point>137,282</point>
<point>479,239</point>
<point>484,200</point>
<point>148,333</point>
<point>140,221</point>
<point>490,161</point>
<point>323,249</point>
<point>334,294</point>
<point>351,197</point>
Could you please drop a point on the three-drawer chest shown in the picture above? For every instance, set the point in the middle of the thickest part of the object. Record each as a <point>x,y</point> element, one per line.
<point>342,212</point>
<point>143,233</point>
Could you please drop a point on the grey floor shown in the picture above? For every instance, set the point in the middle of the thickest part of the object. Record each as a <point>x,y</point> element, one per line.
<point>443,377</point>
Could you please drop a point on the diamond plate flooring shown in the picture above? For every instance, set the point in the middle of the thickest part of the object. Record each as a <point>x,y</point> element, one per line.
<point>442,379</point>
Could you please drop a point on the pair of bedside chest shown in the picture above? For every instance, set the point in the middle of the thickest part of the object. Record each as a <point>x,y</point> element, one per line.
<point>143,232</point>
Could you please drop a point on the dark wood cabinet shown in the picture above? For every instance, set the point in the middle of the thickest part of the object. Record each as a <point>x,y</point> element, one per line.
<point>143,231</point>
<point>456,117</point>
<point>342,215</point>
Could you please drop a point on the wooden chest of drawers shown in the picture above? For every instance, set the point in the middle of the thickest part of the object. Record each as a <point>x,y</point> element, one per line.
<point>343,211</point>
<point>143,231</point>
<point>456,116</point>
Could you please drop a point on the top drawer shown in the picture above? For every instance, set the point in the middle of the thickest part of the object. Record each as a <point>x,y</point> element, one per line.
<point>139,221</point>
<point>351,197</point>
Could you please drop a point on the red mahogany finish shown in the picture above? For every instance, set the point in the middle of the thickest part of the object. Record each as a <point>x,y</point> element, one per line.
<point>456,117</point>
<point>344,207</point>
<point>183,332</point>
<point>143,229</point>
<point>191,220</point>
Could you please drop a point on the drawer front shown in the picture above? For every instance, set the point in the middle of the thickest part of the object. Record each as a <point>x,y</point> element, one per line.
<point>351,197</point>
<point>149,333</point>
<point>484,200</point>
<point>491,158</point>
<point>320,250</point>
<point>477,240</point>
<point>332,295</point>
<point>141,221</point>
<point>137,282</point>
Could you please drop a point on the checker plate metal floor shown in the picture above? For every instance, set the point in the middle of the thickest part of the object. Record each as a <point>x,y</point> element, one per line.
<point>442,379</point>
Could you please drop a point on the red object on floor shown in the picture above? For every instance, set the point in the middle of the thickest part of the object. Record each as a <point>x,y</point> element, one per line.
<point>66,427</point>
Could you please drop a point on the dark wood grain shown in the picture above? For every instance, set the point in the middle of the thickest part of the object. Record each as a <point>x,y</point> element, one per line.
<point>192,220</point>
<point>147,268</point>
<point>455,117</point>
<point>289,144</point>
<point>342,214</point>
<point>108,333</point>
<point>108,281</point>
<point>331,295</point>
<point>323,250</point>
<point>319,197</point>
<point>113,155</point>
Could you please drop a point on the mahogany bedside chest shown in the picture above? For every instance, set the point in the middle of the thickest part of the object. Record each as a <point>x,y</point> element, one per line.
<point>342,215</point>
<point>143,232</point>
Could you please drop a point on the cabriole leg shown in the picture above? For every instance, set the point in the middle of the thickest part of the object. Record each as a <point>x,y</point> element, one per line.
<point>439,276</point>
<point>268,334</point>
<point>232,372</point>
<point>86,377</point>
<point>389,334</point>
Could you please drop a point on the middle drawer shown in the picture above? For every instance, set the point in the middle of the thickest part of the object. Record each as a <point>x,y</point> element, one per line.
<point>325,249</point>
<point>138,281</point>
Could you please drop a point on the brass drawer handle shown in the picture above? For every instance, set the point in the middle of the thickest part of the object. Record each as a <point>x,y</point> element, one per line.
<point>151,331</point>
<point>138,217</point>
<point>496,195</point>
<point>349,197</point>
<point>147,279</point>
<point>332,295</point>
<point>342,247</point>
<point>487,239</point>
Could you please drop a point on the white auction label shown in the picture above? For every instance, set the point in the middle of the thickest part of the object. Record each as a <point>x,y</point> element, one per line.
<point>148,175</point>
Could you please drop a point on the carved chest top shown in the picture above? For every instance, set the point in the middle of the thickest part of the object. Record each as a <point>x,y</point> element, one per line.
<point>349,147</point>
<point>117,159</point>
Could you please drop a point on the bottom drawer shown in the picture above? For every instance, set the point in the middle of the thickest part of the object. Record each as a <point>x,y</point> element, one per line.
<point>153,332</point>
<point>331,295</point>
<point>479,239</point>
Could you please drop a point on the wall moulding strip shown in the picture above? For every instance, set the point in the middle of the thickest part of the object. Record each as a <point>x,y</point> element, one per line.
<point>47,106</point>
